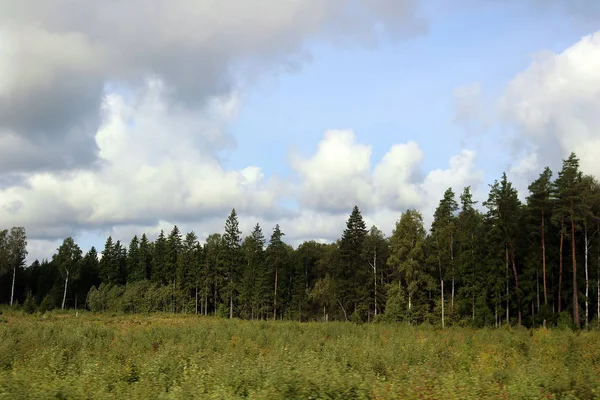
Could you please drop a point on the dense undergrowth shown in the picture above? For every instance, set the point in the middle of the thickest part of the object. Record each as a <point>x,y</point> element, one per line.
<point>96,356</point>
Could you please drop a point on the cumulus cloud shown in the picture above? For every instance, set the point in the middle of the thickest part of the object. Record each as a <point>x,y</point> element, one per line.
<point>340,174</point>
<point>554,106</point>
<point>56,56</point>
<point>156,161</point>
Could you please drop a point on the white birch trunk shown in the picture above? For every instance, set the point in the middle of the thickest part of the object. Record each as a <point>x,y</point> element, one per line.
<point>442,284</point>
<point>587,280</point>
<point>65,292</point>
<point>12,290</point>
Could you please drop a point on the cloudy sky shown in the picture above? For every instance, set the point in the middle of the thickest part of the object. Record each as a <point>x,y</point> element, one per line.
<point>127,117</point>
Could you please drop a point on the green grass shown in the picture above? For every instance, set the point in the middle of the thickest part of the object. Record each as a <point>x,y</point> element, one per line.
<point>60,356</point>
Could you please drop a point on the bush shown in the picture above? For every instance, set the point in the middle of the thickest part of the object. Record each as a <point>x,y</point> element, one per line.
<point>29,305</point>
<point>47,304</point>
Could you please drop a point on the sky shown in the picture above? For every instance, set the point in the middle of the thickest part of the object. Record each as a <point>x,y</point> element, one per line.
<point>118,118</point>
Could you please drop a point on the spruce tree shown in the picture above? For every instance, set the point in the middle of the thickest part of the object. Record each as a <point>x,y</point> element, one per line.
<point>159,260</point>
<point>275,252</point>
<point>232,257</point>
<point>443,232</point>
<point>504,211</point>
<point>145,258</point>
<point>353,270</point>
<point>133,261</point>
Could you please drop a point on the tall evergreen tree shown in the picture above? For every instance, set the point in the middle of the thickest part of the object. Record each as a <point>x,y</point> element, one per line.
<point>443,231</point>
<point>275,252</point>
<point>173,249</point>
<point>255,283</point>
<point>376,252</point>
<point>133,261</point>
<point>570,207</point>
<point>540,202</point>
<point>159,260</point>
<point>504,209</point>
<point>109,264</point>
<point>354,270</point>
<point>232,257</point>
<point>144,258</point>
<point>213,254</point>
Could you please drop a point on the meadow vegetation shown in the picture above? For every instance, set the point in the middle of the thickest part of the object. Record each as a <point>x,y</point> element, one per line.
<point>60,355</point>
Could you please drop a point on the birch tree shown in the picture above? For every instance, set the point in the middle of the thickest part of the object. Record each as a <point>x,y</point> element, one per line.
<point>68,261</point>
<point>17,253</point>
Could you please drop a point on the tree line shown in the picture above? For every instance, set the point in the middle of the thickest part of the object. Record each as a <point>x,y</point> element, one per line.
<point>508,262</point>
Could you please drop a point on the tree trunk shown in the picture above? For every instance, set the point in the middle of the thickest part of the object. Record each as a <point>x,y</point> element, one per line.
<point>574,261</point>
<point>560,262</point>
<point>275,293</point>
<point>537,285</point>
<point>196,299</point>
<point>231,306</point>
<point>587,280</point>
<point>65,292</point>
<point>514,266</point>
<point>507,292</point>
<point>544,259</point>
<point>442,284</point>
<point>12,290</point>
<point>374,267</point>
<point>452,265</point>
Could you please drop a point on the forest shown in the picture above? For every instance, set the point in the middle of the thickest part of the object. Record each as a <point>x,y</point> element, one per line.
<point>502,262</point>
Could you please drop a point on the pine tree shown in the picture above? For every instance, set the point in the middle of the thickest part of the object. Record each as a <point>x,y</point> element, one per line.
<point>504,214</point>
<point>144,258</point>
<point>443,231</point>
<point>255,282</point>
<point>473,291</point>
<point>376,251</point>
<point>109,264</point>
<point>173,249</point>
<point>159,260</point>
<point>89,275</point>
<point>275,254</point>
<point>354,270</point>
<point>133,261</point>
<point>232,257</point>
<point>213,253</point>
<point>540,202</point>
<point>570,208</point>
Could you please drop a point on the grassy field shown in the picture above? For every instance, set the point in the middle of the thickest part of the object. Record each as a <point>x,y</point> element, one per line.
<point>61,356</point>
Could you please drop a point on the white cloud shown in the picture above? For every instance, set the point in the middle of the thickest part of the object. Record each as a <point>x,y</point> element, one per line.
<point>157,161</point>
<point>57,55</point>
<point>340,174</point>
<point>554,104</point>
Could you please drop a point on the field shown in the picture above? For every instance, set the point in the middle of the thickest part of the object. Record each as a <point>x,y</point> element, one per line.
<point>89,356</point>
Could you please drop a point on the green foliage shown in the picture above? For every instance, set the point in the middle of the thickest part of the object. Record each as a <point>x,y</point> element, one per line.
<point>165,356</point>
<point>47,304</point>
<point>29,305</point>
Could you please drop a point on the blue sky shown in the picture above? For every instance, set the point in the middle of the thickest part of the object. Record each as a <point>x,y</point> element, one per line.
<point>143,107</point>
<point>399,91</point>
